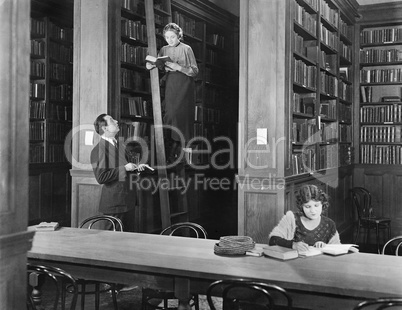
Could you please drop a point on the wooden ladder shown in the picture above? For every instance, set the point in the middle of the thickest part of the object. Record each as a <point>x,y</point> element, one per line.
<point>179,213</point>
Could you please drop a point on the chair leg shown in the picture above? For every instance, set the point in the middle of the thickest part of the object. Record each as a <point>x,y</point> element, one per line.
<point>357,234</point>
<point>114,297</point>
<point>97,296</point>
<point>377,234</point>
<point>82,296</point>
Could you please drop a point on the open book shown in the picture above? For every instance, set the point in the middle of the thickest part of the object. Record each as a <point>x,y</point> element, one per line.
<point>158,61</point>
<point>332,249</point>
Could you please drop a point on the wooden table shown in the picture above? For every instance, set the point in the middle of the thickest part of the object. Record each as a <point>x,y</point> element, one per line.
<point>124,257</point>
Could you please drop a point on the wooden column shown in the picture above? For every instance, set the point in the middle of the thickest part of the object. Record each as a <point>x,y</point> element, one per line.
<point>261,111</point>
<point>14,89</point>
<point>94,88</point>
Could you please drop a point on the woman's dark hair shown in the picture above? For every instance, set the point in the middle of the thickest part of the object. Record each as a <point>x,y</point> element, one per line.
<point>99,123</point>
<point>175,28</point>
<point>311,192</point>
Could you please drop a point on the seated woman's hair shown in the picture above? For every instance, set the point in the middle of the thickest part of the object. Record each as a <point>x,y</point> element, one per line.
<point>311,192</point>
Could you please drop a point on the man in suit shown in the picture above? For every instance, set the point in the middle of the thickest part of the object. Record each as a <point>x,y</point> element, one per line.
<point>111,169</point>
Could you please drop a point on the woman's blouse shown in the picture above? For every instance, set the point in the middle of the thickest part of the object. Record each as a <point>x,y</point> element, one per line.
<point>183,55</point>
<point>323,232</point>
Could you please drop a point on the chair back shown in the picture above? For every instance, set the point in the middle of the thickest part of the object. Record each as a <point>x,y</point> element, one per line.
<point>58,279</point>
<point>185,229</point>
<point>390,244</point>
<point>362,200</point>
<point>379,304</point>
<point>247,295</point>
<point>114,223</point>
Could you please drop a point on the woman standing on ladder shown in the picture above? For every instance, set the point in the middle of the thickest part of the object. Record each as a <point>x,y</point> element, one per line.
<point>179,88</point>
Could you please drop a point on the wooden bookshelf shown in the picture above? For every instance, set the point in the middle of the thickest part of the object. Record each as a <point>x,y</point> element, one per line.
<point>322,91</point>
<point>50,110</point>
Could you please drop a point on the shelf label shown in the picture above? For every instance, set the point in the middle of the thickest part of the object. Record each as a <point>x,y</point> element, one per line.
<point>262,136</point>
<point>89,138</point>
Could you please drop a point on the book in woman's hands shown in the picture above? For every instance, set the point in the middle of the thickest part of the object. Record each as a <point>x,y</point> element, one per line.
<point>280,252</point>
<point>158,61</point>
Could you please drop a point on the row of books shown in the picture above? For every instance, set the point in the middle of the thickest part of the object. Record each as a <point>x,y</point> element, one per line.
<point>135,80</point>
<point>346,29</point>
<point>209,115</point>
<point>328,37</point>
<point>37,109</point>
<point>38,48</point>
<point>134,130</point>
<point>345,91</point>
<point>330,14</point>
<point>329,84</point>
<point>380,55</point>
<point>381,75</point>
<point>208,132</point>
<point>381,113</point>
<point>37,90</point>
<point>189,25</point>
<point>61,72</point>
<point>215,39</point>
<point>312,3</point>
<point>133,54</point>
<point>381,154</point>
<point>304,160</point>
<point>61,92</point>
<point>56,153</point>
<point>38,69</point>
<point>57,131</point>
<point>37,131</point>
<point>136,106</point>
<point>214,76</point>
<point>60,52</point>
<point>328,132</point>
<point>36,153</point>
<point>345,51</point>
<point>61,112</point>
<point>345,133</point>
<point>328,156</point>
<point>304,103</point>
<point>304,18</point>
<point>366,93</point>
<point>300,46</point>
<point>213,96</point>
<point>305,131</point>
<point>134,29</point>
<point>37,27</point>
<point>60,33</point>
<point>379,133</point>
<point>212,57</point>
<point>136,6</point>
<point>387,35</point>
<point>345,113</point>
<point>304,74</point>
<point>328,109</point>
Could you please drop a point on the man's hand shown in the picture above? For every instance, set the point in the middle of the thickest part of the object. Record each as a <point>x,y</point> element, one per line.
<point>130,167</point>
<point>149,66</point>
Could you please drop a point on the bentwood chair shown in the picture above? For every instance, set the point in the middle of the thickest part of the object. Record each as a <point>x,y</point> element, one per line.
<point>390,245</point>
<point>247,295</point>
<point>365,216</point>
<point>58,279</point>
<point>149,295</point>
<point>109,223</point>
<point>380,304</point>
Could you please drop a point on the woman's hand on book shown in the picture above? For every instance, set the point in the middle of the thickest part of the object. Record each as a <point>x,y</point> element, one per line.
<point>172,66</point>
<point>320,244</point>
<point>300,246</point>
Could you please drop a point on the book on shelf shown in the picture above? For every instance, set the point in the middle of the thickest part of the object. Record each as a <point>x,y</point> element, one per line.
<point>391,99</point>
<point>280,252</point>
<point>46,226</point>
<point>158,61</point>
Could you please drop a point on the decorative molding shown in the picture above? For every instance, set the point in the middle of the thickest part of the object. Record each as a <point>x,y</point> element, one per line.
<point>380,13</point>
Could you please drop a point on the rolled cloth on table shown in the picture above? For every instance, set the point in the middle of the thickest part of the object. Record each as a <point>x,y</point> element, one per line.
<point>234,245</point>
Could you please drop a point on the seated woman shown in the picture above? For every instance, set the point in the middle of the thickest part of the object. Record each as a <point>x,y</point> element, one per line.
<point>307,227</point>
